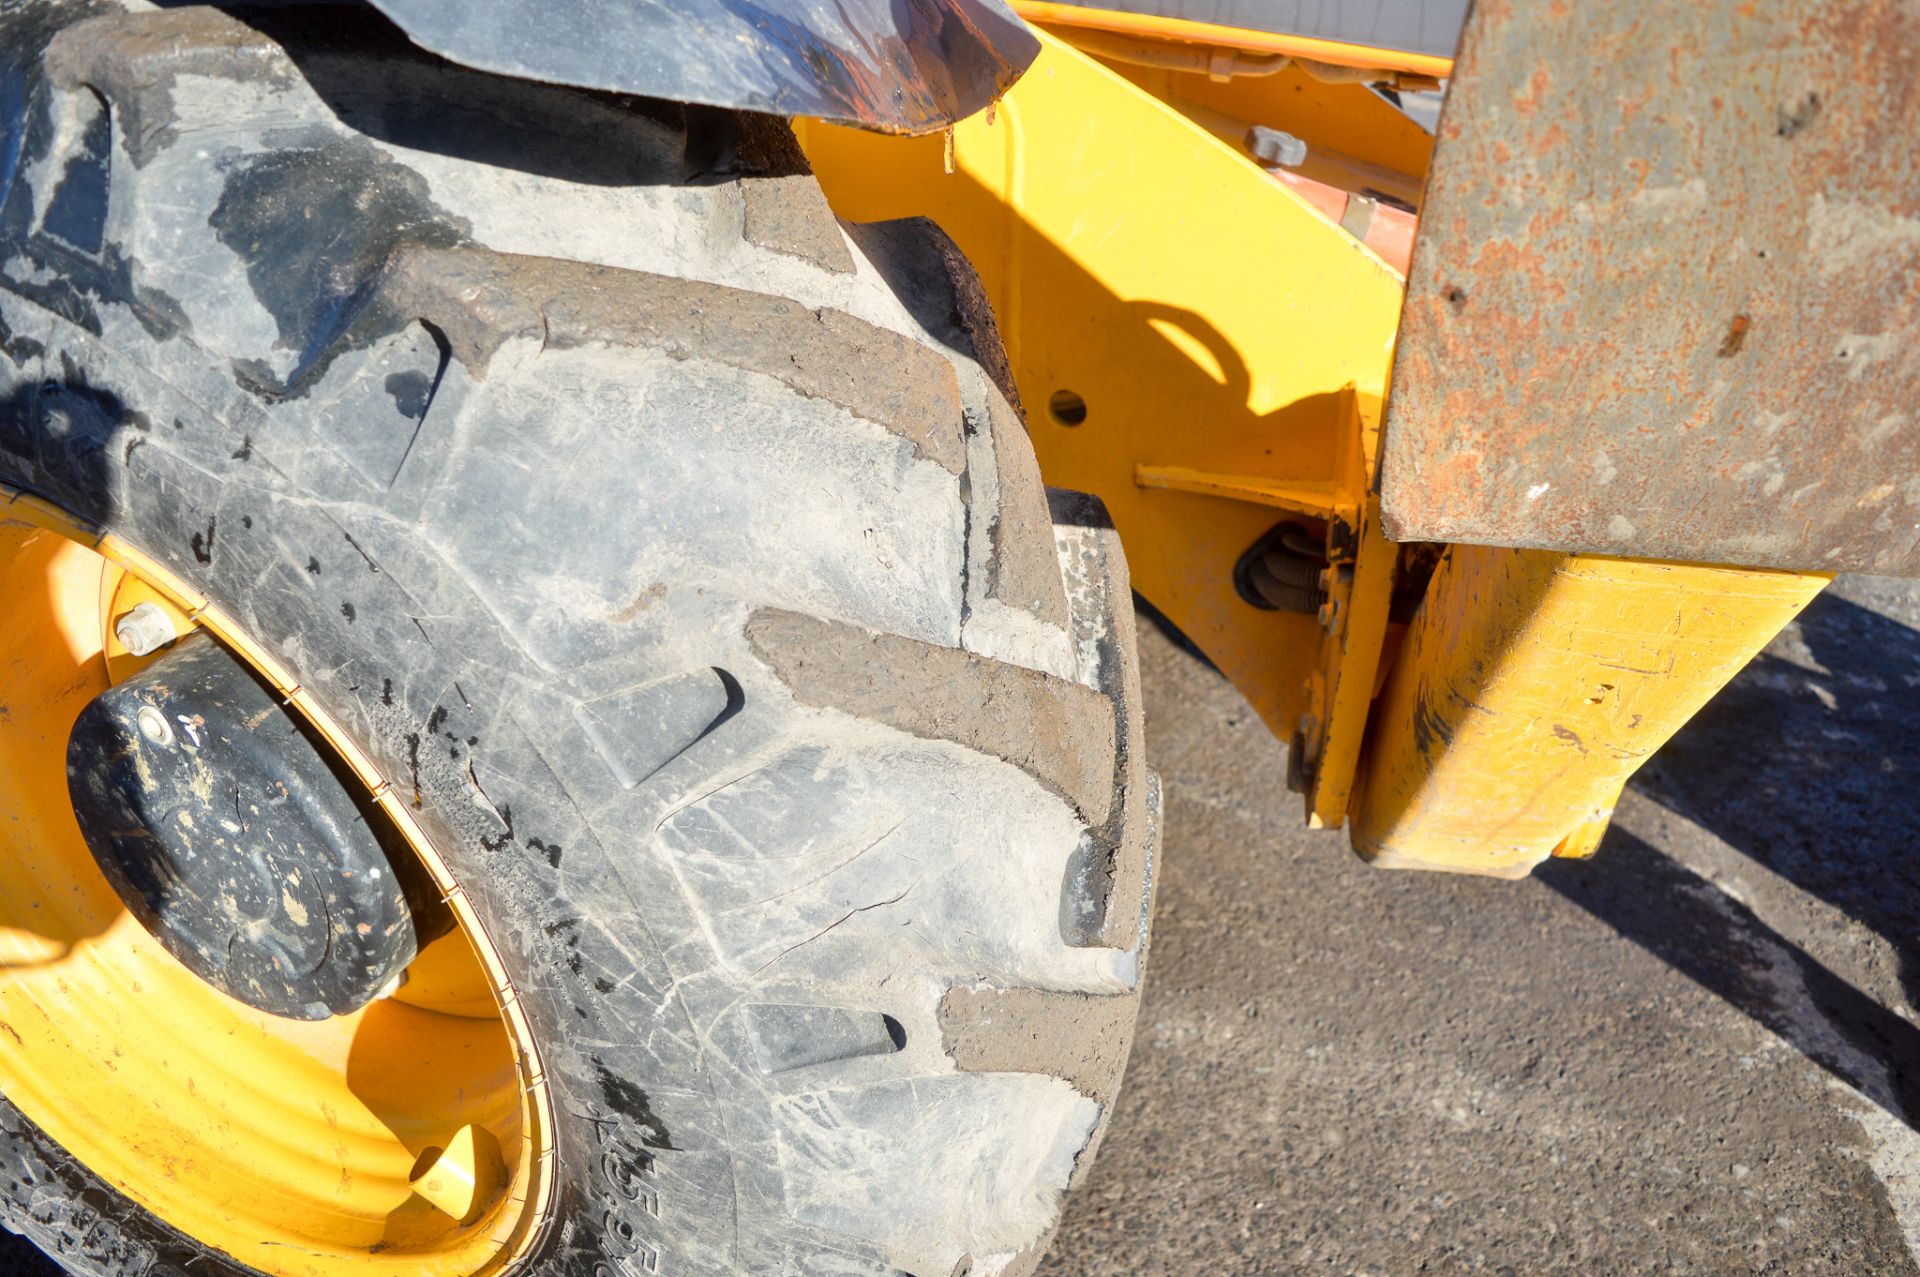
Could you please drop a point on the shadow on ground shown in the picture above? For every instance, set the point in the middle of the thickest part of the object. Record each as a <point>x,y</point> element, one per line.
<point>1694,926</point>
<point>1691,1054</point>
<point>1808,764</point>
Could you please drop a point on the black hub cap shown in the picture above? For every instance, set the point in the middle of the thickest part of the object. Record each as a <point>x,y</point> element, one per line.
<point>231,838</point>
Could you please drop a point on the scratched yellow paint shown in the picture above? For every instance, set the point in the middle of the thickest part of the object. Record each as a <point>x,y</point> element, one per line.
<point>1533,684</point>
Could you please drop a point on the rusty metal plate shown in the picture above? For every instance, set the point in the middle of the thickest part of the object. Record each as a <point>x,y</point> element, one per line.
<point>1665,300</point>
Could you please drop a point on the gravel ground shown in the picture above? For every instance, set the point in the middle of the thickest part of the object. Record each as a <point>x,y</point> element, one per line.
<point>1695,1054</point>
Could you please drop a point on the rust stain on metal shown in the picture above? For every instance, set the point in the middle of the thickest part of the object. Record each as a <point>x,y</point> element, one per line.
<point>1669,265</point>
<point>1736,336</point>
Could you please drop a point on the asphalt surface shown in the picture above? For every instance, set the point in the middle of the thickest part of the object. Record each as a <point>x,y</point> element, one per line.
<point>1694,1054</point>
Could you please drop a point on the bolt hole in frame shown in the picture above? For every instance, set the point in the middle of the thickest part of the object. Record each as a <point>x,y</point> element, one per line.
<point>1067,408</point>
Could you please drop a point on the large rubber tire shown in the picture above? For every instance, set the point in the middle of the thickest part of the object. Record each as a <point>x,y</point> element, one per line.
<point>669,546</point>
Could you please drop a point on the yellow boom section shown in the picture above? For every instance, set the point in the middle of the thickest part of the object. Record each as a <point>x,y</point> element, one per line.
<point>1212,35</point>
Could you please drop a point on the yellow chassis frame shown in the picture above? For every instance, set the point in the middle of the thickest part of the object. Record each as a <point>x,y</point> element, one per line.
<point>1208,352</point>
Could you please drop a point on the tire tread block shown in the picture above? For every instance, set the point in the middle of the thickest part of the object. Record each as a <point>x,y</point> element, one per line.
<point>1060,733</point>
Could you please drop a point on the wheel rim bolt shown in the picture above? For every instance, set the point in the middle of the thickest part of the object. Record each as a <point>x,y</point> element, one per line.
<point>145,630</point>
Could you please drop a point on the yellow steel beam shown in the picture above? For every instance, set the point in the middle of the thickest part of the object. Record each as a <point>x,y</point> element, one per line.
<point>1229,341</point>
<point>1533,683</point>
<point>1186,31</point>
<point>1313,499</point>
<point>1340,123</point>
<point>1353,624</point>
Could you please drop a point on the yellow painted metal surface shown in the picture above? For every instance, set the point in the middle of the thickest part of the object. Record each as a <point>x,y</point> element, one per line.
<point>1353,624</point>
<point>1350,131</point>
<point>1302,497</point>
<point>1533,683</point>
<point>289,1145</point>
<point>465,1178</point>
<point>120,593</point>
<point>1184,30</point>
<point>1230,342</point>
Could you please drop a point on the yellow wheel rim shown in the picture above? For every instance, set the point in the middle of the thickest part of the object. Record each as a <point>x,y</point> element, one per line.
<point>413,1136</point>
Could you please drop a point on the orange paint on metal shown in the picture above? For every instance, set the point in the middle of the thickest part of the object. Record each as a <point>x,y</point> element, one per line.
<point>1389,231</point>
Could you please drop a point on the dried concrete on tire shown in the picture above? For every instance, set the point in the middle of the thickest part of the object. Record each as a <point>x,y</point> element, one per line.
<point>1061,733</point>
<point>1612,1068</point>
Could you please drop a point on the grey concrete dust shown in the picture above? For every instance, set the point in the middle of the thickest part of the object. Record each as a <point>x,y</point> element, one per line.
<point>1694,1054</point>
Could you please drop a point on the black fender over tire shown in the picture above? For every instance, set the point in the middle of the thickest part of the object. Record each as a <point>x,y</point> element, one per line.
<point>675,551</point>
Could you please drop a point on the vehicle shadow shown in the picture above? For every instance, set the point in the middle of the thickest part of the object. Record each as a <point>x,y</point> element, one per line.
<point>1828,795</point>
<point>1806,764</point>
<point>1718,942</point>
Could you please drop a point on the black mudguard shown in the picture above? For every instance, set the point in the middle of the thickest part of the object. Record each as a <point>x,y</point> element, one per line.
<point>900,66</point>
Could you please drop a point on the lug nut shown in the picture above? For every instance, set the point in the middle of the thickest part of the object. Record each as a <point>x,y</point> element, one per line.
<point>145,630</point>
